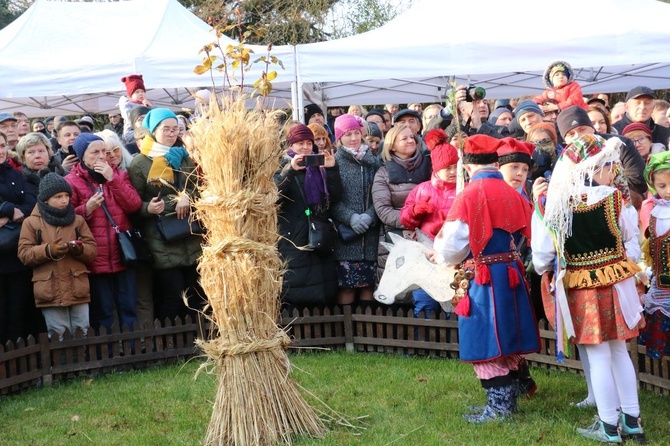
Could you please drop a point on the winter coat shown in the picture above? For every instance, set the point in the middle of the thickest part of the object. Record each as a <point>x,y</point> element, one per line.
<point>311,277</point>
<point>121,200</point>
<point>357,177</point>
<point>15,192</point>
<point>566,96</point>
<point>440,195</point>
<point>389,195</point>
<point>57,283</point>
<point>659,133</point>
<point>184,252</point>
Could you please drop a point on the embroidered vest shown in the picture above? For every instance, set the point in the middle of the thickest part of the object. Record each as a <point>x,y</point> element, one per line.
<point>659,251</point>
<point>595,253</point>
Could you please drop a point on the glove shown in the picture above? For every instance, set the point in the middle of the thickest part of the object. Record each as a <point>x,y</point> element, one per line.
<point>77,248</point>
<point>366,219</point>
<point>57,249</point>
<point>422,208</point>
<point>357,224</point>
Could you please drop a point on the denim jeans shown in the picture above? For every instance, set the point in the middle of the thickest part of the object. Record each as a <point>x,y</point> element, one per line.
<point>113,290</point>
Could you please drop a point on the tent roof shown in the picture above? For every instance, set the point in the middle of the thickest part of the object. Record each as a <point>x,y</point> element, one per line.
<point>69,57</point>
<point>613,45</point>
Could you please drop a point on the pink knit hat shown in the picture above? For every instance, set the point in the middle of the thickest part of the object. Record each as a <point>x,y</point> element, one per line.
<point>345,123</point>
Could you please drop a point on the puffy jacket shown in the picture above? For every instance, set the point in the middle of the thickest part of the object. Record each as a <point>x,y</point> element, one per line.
<point>175,254</point>
<point>121,200</point>
<point>59,283</point>
<point>569,94</point>
<point>440,195</point>
<point>15,192</point>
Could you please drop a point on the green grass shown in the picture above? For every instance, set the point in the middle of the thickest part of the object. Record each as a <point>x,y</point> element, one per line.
<point>394,400</point>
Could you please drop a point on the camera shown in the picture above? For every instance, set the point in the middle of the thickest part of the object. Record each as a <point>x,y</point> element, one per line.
<point>474,93</point>
<point>315,159</point>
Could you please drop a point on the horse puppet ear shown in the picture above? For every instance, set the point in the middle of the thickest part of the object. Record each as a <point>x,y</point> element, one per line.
<point>423,238</point>
<point>395,238</point>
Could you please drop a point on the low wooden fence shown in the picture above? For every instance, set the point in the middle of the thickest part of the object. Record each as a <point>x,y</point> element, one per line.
<point>392,330</point>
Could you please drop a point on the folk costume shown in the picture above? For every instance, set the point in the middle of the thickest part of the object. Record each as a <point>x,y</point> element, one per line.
<point>589,236</point>
<point>656,334</point>
<point>486,223</point>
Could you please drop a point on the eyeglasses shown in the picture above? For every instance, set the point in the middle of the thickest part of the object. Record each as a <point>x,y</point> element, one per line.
<point>169,131</point>
<point>114,151</point>
<point>640,140</point>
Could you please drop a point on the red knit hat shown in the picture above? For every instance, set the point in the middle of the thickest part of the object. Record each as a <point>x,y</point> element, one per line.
<point>514,151</point>
<point>481,149</point>
<point>442,154</point>
<point>133,82</point>
<point>636,126</point>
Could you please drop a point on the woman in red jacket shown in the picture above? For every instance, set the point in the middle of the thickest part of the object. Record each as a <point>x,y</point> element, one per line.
<point>96,185</point>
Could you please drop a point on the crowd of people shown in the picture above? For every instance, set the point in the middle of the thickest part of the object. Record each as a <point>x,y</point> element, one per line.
<point>594,176</point>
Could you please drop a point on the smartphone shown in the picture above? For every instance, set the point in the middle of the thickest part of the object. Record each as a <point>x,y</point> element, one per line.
<point>70,151</point>
<point>100,189</point>
<point>316,159</point>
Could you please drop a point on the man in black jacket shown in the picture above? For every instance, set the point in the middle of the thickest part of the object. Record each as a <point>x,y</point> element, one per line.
<point>639,107</point>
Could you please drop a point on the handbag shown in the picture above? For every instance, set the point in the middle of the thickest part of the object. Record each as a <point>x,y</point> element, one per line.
<point>320,233</point>
<point>172,228</point>
<point>346,233</point>
<point>127,250</point>
<point>9,236</point>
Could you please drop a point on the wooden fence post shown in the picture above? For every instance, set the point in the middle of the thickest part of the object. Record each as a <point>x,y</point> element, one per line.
<point>348,329</point>
<point>45,357</point>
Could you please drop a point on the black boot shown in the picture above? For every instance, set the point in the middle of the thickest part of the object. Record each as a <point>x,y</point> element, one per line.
<point>527,384</point>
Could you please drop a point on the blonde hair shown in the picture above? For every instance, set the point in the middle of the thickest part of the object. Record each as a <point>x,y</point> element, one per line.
<point>29,140</point>
<point>390,138</point>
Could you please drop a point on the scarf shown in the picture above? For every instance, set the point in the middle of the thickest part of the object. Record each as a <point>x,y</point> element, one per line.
<point>164,160</point>
<point>316,190</point>
<point>410,164</point>
<point>358,153</point>
<point>55,216</point>
<point>95,176</point>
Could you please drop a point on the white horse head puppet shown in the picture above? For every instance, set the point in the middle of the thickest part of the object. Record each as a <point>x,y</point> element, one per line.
<point>408,268</point>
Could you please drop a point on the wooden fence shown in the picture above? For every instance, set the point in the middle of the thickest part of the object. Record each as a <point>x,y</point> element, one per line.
<point>392,330</point>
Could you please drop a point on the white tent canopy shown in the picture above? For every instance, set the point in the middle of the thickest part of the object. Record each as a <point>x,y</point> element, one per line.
<point>613,45</point>
<point>69,57</point>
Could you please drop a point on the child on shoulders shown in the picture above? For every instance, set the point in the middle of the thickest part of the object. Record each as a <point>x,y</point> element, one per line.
<point>136,96</point>
<point>561,87</point>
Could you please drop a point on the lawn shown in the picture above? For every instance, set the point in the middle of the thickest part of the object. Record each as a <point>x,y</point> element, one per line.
<point>392,400</point>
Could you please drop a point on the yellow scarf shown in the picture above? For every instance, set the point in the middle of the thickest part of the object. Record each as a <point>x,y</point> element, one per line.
<point>160,170</point>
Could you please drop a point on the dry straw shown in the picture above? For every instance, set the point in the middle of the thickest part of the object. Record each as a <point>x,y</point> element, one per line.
<point>257,402</point>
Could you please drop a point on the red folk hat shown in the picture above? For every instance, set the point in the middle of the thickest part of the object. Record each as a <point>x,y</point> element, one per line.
<point>481,149</point>
<point>514,151</point>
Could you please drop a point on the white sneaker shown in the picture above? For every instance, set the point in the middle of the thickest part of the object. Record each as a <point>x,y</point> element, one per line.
<point>585,403</point>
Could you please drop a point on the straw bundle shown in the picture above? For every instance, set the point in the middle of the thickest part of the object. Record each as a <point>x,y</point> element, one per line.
<point>257,403</point>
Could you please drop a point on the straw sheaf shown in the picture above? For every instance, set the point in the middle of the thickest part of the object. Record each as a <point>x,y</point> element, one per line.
<point>240,269</point>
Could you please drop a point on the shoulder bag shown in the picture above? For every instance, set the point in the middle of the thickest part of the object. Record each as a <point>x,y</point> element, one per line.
<point>320,233</point>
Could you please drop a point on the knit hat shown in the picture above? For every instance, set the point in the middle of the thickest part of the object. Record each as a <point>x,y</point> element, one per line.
<point>571,117</point>
<point>495,114</point>
<point>133,82</point>
<point>373,129</point>
<point>514,151</point>
<point>82,142</point>
<point>481,149</point>
<point>636,126</point>
<point>553,68</point>
<point>502,103</point>
<point>345,123</point>
<point>136,112</point>
<point>155,116</point>
<point>373,112</point>
<point>311,110</point>
<point>299,132</point>
<point>319,131</point>
<point>527,106</point>
<point>442,154</point>
<point>549,127</point>
<point>52,184</point>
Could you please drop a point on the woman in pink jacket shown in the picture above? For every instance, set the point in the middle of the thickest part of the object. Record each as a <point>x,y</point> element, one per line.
<point>97,186</point>
<point>428,204</point>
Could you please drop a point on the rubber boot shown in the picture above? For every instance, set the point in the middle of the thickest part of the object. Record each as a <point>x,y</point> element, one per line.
<point>499,403</point>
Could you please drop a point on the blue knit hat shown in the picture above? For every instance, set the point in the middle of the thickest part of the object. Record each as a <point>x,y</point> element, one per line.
<point>82,142</point>
<point>155,117</point>
<point>525,107</point>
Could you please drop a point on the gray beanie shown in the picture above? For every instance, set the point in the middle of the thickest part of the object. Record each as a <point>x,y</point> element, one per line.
<point>373,130</point>
<point>51,184</point>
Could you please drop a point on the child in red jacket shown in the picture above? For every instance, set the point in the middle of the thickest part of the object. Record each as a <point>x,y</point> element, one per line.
<point>559,78</point>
